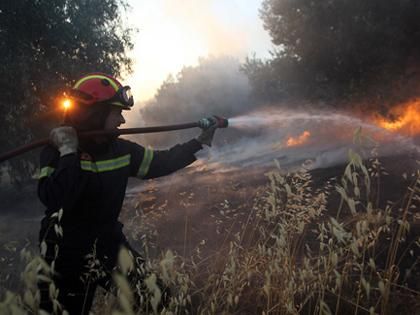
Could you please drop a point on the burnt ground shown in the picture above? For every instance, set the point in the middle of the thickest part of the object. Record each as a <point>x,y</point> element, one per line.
<point>185,207</point>
<point>180,211</point>
<point>191,210</point>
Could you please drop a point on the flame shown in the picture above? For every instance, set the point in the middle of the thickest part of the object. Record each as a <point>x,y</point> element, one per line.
<point>407,119</point>
<point>295,141</point>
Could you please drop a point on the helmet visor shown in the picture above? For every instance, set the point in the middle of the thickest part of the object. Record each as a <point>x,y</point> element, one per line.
<point>123,98</point>
<point>127,96</point>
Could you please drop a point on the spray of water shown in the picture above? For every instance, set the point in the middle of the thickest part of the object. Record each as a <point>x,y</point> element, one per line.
<point>331,137</point>
<point>328,136</point>
<point>272,118</point>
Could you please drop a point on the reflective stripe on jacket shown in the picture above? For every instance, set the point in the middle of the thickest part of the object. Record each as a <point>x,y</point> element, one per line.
<point>90,186</point>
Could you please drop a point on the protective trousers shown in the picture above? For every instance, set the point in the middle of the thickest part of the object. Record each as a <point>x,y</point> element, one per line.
<point>78,276</point>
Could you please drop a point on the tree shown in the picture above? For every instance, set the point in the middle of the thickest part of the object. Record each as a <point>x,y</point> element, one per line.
<point>350,49</point>
<point>44,44</point>
<point>215,87</point>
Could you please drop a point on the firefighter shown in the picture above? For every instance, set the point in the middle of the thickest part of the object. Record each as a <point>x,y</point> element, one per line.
<point>82,184</point>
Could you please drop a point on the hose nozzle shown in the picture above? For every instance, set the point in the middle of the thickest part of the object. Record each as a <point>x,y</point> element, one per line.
<point>220,122</point>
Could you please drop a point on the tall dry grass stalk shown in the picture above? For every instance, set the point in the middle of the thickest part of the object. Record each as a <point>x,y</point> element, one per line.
<point>296,252</point>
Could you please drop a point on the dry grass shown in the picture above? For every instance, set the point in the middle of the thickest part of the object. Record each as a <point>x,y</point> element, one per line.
<point>293,252</point>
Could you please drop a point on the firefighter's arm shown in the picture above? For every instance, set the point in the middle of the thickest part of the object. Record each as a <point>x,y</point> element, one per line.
<point>156,163</point>
<point>61,180</point>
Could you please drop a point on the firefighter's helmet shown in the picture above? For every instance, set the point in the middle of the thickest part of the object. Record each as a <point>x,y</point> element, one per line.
<point>96,88</point>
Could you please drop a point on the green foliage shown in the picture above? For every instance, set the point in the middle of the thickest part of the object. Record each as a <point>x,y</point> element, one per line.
<point>45,45</point>
<point>337,48</point>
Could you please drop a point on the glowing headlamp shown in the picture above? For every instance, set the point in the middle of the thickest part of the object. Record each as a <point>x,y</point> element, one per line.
<point>67,104</point>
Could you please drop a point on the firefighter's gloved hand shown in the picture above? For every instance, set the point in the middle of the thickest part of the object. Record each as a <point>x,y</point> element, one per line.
<point>206,136</point>
<point>64,139</point>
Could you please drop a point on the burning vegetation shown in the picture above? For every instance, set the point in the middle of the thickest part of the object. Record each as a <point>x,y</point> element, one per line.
<point>299,140</point>
<point>404,118</point>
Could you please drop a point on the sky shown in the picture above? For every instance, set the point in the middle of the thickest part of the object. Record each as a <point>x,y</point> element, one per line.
<point>176,33</point>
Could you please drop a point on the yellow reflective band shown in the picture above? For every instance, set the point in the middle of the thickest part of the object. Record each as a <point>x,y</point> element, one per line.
<point>96,76</point>
<point>107,165</point>
<point>46,171</point>
<point>145,164</point>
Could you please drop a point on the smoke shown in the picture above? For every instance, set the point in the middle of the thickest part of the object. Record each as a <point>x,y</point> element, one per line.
<point>223,27</point>
<point>173,34</point>
<point>291,132</point>
<point>206,22</point>
<point>215,87</point>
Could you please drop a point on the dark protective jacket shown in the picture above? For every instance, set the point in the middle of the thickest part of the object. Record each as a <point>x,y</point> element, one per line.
<point>90,187</point>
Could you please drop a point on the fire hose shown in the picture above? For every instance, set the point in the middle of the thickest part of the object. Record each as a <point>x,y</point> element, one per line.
<point>204,123</point>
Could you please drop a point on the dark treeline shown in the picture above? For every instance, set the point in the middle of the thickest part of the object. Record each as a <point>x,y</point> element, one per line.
<point>44,45</point>
<point>339,51</point>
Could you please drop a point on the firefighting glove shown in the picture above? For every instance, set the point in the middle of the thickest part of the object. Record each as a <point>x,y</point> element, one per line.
<point>207,134</point>
<point>64,139</point>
